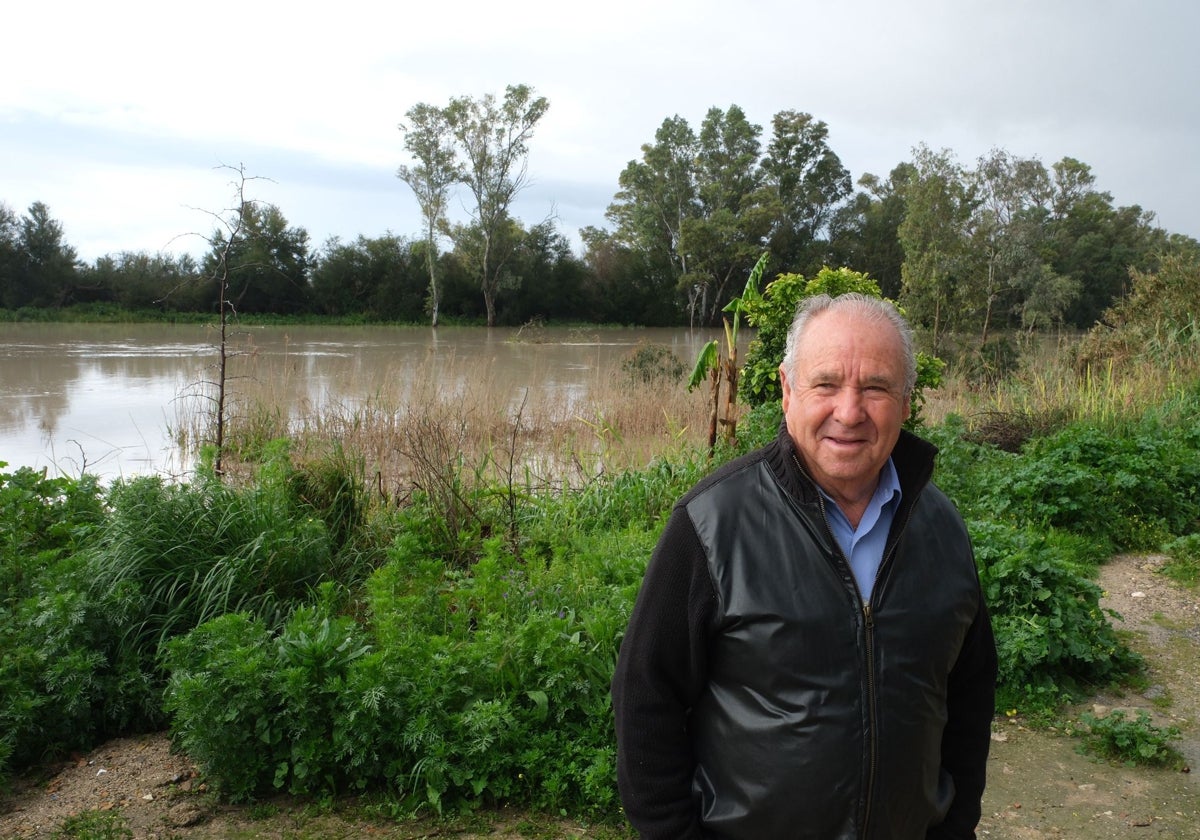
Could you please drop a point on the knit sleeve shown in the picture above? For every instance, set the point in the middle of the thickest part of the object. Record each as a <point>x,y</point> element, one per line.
<point>970,707</point>
<point>661,669</point>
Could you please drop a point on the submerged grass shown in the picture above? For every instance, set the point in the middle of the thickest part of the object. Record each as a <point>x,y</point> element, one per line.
<point>546,432</point>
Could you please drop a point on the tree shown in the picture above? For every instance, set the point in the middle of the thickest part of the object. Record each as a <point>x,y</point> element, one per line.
<point>807,180</point>
<point>46,271</point>
<point>863,232</point>
<point>657,195</point>
<point>428,138</point>
<point>267,261</point>
<point>725,237</point>
<point>620,285</point>
<point>939,206</point>
<point>380,278</point>
<point>552,278</point>
<point>493,138</point>
<point>138,280</point>
<point>1014,196</point>
<point>1093,245</point>
<point>10,258</point>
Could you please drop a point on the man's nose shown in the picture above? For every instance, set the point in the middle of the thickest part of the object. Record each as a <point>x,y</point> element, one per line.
<point>848,406</point>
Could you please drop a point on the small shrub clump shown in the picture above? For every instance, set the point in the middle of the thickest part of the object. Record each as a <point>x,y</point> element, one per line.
<point>653,363</point>
<point>1115,737</point>
<point>1183,560</point>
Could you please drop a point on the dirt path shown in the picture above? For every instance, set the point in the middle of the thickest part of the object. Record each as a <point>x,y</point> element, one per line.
<point>1039,786</point>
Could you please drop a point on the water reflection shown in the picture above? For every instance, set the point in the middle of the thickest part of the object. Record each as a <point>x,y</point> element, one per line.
<point>110,398</point>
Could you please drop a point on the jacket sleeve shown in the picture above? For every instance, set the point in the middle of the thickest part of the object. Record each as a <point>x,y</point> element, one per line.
<point>971,705</point>
<point>661,669</point>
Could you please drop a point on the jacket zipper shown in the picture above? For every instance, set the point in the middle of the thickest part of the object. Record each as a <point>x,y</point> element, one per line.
<point>869,634</point>
<point>873,740</point>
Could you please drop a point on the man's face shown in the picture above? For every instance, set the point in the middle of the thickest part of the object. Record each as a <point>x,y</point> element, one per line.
<point>844,402</point>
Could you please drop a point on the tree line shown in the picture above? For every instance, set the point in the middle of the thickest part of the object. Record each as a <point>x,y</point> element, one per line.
<point>1005,243</point>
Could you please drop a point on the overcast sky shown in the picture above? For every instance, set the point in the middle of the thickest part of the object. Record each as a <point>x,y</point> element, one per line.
<point>123,116</point>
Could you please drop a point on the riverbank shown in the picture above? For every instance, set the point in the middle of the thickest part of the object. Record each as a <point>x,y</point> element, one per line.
<point>1040,785</point>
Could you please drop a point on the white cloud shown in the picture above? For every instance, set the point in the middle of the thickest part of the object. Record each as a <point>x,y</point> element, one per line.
<point>116,114</point>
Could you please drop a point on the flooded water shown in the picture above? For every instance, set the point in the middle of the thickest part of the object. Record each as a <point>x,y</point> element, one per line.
<point>109,399</point>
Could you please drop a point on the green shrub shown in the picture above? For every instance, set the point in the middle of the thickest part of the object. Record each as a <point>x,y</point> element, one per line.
<point>60,685</point>
<point>224,714</point>
<point>193,552</point>
<point>1129,490</point>
<point>772,313</point>
<point>1183,563</point>
<point>1114,737</point>
<point>1052,636</point>
<point>95,825</point>
<point>41,520</point>
<point>651,363</point>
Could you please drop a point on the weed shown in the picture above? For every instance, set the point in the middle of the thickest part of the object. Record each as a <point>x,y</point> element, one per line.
<point>1115,737</point>
<point>95,825</point>
<point>1183,564</point>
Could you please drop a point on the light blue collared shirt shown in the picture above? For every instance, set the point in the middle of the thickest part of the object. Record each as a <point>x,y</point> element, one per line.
<point>863,546</point>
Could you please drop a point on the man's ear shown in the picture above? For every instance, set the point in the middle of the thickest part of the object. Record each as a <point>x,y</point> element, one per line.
<point>786,386</point>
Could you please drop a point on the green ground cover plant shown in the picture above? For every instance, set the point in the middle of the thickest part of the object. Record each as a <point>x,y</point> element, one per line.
<point>1116,737</point>
<point>299,633</point>
<point>1183,560</point>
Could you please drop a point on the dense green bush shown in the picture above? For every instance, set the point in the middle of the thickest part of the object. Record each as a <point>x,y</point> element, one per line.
<point>461,687</point>
<point>41,520</point>
<point>53,679</point>
<point>1052,636</point>
<point>95,580</point>
<point>772,312</point>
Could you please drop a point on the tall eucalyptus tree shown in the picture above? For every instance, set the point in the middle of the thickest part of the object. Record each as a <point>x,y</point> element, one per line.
<point>493,138</point>
<point>434,170</point>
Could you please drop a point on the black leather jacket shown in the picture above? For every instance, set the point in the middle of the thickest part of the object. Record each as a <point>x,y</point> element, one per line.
<point>757,697</point>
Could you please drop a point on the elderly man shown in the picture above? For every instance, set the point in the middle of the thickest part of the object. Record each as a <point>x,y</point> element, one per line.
<point>810,655</point>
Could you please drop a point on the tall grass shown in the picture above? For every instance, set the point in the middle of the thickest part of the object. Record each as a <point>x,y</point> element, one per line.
<point>1051,386</point>
<point>545,432</point>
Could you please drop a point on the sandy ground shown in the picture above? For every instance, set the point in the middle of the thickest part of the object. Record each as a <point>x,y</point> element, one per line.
<point>1039,785</point>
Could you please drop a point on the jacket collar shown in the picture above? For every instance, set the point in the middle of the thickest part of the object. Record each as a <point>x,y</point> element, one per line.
<point>913,456</point>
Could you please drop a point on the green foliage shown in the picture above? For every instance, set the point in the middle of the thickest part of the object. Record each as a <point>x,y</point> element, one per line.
<point>41,520</point>
<point>1129,491</point>
<point>56,686</point>
<point>1052,636</point>
<point>463,686</point>
<point>260,711</point>
<point>220,702</point>
<point>1125,487</point>
<point>651,363</point>
<point>93,583</point>
<point>1114,737</point>
<point>454,669</point>
<point>1183,563</point>
<point>772,314</point>
<point>95,825</point>
<point>1156,321</point>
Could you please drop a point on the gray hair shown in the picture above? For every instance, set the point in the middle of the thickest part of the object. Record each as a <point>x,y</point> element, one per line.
<point>876,311</point>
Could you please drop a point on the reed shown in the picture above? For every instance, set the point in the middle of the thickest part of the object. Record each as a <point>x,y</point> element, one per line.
<point>451,413</point>
<point>1050,387</point>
